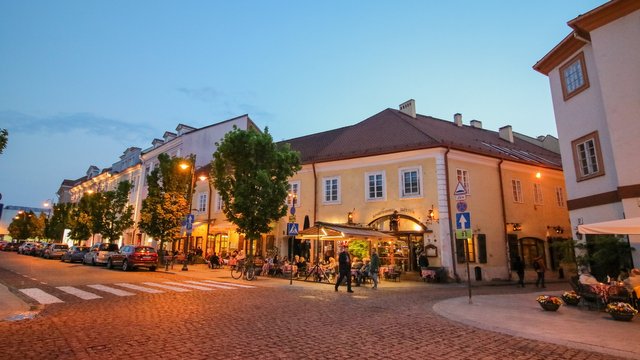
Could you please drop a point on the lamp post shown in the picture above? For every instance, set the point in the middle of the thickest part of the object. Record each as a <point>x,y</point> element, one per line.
<point>184,166</point>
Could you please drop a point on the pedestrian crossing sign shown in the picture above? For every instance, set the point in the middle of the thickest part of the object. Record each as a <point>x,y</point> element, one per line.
<point>292,228</point>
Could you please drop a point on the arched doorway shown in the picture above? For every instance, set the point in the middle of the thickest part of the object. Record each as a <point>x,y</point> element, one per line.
<point>409,233</point>
<point>530,249</point>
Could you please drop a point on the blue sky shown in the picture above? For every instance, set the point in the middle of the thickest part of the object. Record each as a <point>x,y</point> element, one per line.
<point>81,81</point>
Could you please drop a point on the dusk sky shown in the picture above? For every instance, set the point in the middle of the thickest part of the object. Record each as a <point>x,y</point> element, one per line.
<point>81,81</point>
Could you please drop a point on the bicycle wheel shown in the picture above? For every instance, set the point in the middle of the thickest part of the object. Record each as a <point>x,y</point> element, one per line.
<point>250,273</point>
<point>236,272</point>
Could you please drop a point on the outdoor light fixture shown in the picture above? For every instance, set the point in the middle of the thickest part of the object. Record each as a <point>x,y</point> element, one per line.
<point>558,229</point>
<point>515,226</point>
<point>350,218</point>
<point>431,215</point>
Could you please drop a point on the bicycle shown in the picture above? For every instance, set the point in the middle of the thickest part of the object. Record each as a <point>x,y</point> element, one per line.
<point>242,269</point>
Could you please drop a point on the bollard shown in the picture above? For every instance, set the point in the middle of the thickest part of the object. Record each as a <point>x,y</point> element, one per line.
<point>560,273</point>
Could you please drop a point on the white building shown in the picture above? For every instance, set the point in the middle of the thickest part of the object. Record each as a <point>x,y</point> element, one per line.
<point>594,75</point>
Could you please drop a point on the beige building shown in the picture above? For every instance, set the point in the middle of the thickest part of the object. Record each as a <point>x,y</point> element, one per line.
<point>419,179</point>
<point>595,87</point>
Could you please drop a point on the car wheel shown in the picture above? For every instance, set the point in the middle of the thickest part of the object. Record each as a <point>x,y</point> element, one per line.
<point>153,268</point>
<point>125,266</point>
<point>93,261</point>
<point>61,259</point>
<point>109,264</point>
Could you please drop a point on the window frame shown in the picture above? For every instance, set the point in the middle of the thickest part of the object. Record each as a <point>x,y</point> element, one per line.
<point>324,190</point>
<point>566,94</point>
<point>295,185</point>
<point>202,205</point>
<point>516,191</point>
<point>538,198</point>
<point>367,186</point>
<point>463,177</point>
<point>577,160</point>
<point>560,197</point>
<point>401,172</point>
<point>218,204</point>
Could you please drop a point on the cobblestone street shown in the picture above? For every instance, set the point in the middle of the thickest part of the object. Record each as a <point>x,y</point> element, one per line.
<point>273,321</point>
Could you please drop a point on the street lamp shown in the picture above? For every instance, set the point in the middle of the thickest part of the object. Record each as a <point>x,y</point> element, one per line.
<point>184,166</point>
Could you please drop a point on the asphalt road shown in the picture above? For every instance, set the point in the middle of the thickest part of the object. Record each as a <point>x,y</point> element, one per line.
<point>270,319</point>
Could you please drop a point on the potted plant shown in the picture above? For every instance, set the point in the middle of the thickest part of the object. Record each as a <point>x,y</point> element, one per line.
<point>570,298</point>
<point>621,311</point>
<point>548,302</point>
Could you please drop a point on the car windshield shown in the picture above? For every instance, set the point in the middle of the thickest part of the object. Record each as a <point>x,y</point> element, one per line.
<point>61,247</point>
<point>145,250</point>
<point>109,247</point>
<point>82,249</point>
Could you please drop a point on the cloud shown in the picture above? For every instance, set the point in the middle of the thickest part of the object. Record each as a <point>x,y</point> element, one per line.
<point>17,122</point>
<point>205,94</point>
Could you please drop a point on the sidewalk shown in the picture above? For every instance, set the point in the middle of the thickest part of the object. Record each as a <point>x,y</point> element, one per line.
<point>513,314</point>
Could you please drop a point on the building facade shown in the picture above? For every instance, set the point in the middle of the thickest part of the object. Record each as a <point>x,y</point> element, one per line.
<point>595,87</point>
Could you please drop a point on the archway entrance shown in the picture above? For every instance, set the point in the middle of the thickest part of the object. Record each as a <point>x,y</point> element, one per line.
<point>409,233</point>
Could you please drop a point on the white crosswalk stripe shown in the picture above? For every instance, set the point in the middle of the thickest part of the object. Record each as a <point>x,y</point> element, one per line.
<point>229,284</point>
<point>84,295</point>
<point>40,296</point>
<point>212,285</point>
<point>111,290</point>
<point>189,286</point>
<point>139,288</point>
<point>163,286</point>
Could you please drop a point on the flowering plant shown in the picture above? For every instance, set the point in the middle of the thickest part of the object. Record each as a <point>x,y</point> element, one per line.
<point>621,308</point>
<point>571,295</point>
<point>548,299</point>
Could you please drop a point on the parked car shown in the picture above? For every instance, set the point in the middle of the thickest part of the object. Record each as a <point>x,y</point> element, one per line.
<point>12,246</point>
<point>3,244</point>
<point>35,248</point>
<point>40,251</point>
<point>75,253</point>
<point>99,253</point>
<point>25,247</point>
<point>132,256</point>
<point>55,251</point>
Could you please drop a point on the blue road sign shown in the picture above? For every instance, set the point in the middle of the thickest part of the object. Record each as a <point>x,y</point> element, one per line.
<point>292,228</point>
<point>190,218</point>
<point>292,210</point>
<point>461,206</point>
<point>463,220</point>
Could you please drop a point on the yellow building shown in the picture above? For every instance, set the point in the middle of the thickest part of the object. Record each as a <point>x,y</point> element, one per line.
<point>420,179</point>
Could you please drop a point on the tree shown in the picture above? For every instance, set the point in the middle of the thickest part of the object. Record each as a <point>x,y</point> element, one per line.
<point>606,254</point>
<point>81,221</point>
<point>251,175</point>
<point>112,214</point>
<point>4,138</point>
<point>24,226</point>
<point>166,204</point>
<point>59,220</point>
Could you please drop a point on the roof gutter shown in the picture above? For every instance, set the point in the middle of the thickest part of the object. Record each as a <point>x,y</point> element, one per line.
<point>451,233</point>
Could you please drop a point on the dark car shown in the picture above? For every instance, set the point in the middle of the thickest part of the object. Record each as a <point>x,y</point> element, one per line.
<point>13,246</point>
<point>75,253</point>
<point>132,256</point>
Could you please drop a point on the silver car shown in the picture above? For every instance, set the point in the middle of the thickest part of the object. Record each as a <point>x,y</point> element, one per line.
<point>55,251</point>
<point>99,253</point>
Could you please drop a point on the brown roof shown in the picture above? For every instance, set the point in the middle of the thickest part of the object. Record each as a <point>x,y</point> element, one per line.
<point>392,131</point>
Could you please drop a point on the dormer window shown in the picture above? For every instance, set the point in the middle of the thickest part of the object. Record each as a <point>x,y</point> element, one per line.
<point>573,76</point>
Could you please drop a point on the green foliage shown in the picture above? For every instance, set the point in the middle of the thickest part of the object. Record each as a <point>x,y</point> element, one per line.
<point>359,248</point>
<point>166,204</point>
<point>81,220</point>
<point>606,254</point>
<point>59,220</point>
<point>251,175</point>
<point>115,214</point>
<point>24,226</point>
<point>4,138</point>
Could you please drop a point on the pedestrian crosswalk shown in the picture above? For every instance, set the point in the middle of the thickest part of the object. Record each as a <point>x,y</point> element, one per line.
<point>99,291</point>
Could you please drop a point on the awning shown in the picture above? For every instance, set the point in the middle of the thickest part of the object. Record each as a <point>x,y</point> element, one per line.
<point>326,231</point>
<point>623,227</point>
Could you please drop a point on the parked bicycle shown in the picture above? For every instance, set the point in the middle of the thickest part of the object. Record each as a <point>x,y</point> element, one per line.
<point>243,269</point>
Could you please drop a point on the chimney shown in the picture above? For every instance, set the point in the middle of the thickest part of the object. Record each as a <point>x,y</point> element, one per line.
<point>409,108</point>
<point>506,133</point>
<point>476,124</point>
<point>457,119</point>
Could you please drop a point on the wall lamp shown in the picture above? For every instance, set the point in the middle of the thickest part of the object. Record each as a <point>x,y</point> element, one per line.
<point>431,215</point>
<point>558,229</point>
<point>350,217</point>
<point>515,226</point>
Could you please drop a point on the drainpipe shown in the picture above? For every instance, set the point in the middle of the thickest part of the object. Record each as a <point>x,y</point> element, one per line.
<point>315,193</point>
<point>504,219</point>
<point>452,235</point>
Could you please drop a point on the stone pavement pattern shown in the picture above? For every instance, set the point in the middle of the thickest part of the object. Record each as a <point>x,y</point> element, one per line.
<point>274,320</point>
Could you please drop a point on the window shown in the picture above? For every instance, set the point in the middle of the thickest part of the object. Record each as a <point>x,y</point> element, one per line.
<point>219,203</point>
<point>331,190</point>
<point>202,202</point>
<point>587,157</point>
<point>410,185</point>
<point>517,191</point>
<point>537,194</point>
<point>573,76</point>
<point>375,186</point>
<point>559,196</point>
<point>294,188</point>
<point>465,249</point>
<point>463,178</point>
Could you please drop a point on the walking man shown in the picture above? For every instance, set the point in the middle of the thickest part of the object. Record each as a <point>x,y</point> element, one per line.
<point>540,267</point>
<point>344,267</point>
<point>374,267</point>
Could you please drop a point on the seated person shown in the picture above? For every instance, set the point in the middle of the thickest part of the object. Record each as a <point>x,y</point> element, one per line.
<point>302,265</point>
<point>633,281</point>
<point>331,267</point>
<point>624,274</point>
<point>586,278</point>
<point>356,263</point>
<point>214,261</point>
<point>363,272</point>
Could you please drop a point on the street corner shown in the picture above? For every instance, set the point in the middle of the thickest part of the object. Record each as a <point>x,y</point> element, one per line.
<point>13,308</point>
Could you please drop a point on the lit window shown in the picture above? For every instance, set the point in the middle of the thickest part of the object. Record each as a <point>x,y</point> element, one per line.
<point>516,186</point>
<point>587,157</point>
<point>202,202</point>
<point>559,196</point>
<point>463,178</point>
<point>293,188</point>
<point>537,194</point>
<point>375,186</point>
<point>410,184</point>
<point>331,190</point>
<point>219,202</point>
<point>573,76</point>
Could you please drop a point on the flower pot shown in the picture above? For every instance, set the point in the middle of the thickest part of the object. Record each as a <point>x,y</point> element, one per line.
<point>571,301</point>
<point>622,316</point>
<point>549,306</point>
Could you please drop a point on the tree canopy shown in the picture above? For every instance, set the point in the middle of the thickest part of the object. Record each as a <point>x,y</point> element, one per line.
<point>4,138</point>
<point>251,175</point>
<point>25,225</point>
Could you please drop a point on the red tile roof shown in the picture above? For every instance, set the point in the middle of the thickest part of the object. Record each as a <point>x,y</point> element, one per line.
<point>391,131</point>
